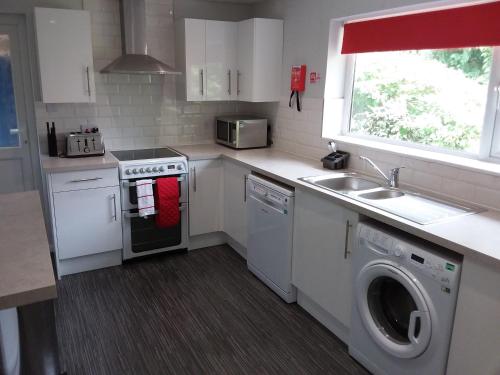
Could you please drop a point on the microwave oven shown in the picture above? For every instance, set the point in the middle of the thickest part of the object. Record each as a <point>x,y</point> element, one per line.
<point>241,131</point>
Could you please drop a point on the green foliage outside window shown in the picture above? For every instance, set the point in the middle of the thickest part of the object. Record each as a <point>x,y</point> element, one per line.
<point>427,97</point>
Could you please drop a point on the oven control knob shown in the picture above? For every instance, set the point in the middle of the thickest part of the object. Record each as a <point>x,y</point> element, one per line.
<point>179,167</point>
<point>162,169</point>
<point>134,171</point>
<point>148,170</point>
<point>127,171</point>
<point>141,170</point>
<point>155,169</point>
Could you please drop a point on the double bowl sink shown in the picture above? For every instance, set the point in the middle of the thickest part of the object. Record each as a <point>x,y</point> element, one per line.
<point>412,206</point>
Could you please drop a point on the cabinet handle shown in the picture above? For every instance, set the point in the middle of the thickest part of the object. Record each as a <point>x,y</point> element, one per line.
<point>245,178</point>
<point>88,81</point>
<point>229,81</point>
<point>348,227</point>
<point>86,179</point>
<point>115,217</point>
<point>201,82</point>
<point>194,178</point>
<point>238,75</point>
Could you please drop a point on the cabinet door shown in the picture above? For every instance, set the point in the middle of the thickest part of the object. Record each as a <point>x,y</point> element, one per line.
<point>267,60</point>
<point>87,221</point>
<point>221,60</point>
<point>260,59</point>
<point>245,47</point>
<point>65,55</point>
<point>205,196</point>
<point>322,242</point>
<point>235,205</point>
<point>195,59</point>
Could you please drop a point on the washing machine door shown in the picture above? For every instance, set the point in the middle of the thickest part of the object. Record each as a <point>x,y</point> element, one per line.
<point>393,310</point>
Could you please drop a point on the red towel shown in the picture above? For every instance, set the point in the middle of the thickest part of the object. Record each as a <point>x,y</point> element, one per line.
<point>167,202</point>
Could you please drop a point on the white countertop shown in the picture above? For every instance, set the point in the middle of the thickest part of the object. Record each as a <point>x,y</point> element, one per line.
<point>58,164</point>
<point>472,235</point>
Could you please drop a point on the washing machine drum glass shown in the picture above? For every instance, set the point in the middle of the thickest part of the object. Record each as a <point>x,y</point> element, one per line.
<point>393,310</point>
<point>391,305</point>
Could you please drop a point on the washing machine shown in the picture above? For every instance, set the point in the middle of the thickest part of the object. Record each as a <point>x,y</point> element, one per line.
<point>405,293</point>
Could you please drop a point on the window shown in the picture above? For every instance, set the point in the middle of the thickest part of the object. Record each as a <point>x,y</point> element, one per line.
<point>424,79</point>
<point>428,97</point>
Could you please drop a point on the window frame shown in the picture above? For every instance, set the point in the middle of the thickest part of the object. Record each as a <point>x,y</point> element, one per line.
<point>339,87</point>
<point>488,124</point>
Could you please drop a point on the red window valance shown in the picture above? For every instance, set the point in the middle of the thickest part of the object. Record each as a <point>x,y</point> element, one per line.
<point>467,26</point>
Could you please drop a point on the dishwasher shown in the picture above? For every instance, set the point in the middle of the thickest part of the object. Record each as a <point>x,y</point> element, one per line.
<point>270,233</point>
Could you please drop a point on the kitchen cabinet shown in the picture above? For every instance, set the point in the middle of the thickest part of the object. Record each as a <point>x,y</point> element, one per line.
<point>65,55</point>
<point>220,60</point>
<point>230,60</point>
<point>205,196</point>
<point>192,35</point>
<point>324,235</point>
<point>235,201</point>
<point>260,54</point>
<point>87,221</point>
<point>86,218</point>
<point>207,56</point>
<point>476,333</point>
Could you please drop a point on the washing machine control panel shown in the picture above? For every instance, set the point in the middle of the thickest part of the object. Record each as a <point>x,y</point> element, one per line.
<point>411,256</point>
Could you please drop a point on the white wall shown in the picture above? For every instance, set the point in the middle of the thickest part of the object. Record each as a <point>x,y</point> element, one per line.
<point>306,42</point>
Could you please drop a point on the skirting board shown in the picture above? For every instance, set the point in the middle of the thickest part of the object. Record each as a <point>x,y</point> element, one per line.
<point>207,240</point>
<point>89,262</point>
<point>240,249</point>
<point>325,318</point>
<point>215,239</point>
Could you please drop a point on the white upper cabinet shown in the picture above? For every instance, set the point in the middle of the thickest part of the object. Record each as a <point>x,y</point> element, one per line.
<point>221,60</point>
<point>260,60</point>
<point>230,60</point>
<point>194,63</point>
<point>65,55</point>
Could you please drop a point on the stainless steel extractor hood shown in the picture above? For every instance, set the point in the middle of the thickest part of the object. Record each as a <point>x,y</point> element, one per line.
<point>135,58</point>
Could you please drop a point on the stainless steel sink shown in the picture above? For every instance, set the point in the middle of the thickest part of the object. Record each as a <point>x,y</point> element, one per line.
<point>409,205</point>
<point>382,194</point>
<point>342,182</point>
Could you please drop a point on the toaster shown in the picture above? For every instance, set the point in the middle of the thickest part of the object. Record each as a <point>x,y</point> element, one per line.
<point>84,144</point>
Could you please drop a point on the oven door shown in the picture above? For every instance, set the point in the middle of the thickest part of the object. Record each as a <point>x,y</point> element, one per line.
<point>129,191</point>
<point>141,236</point>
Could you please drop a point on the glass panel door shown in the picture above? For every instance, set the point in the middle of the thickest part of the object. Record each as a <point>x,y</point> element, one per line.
<point>17,124</point>
<point>391,304</point>
<point>8,118</point>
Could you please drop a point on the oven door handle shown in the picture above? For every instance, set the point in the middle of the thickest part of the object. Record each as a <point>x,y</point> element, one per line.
<point>182,207</point>
<point>129,184</point>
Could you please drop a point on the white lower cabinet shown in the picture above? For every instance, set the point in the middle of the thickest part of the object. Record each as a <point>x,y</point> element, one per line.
<point>324,234</point>
<point>235,205</point>
<point>205,196</point>
<point>87,221</point>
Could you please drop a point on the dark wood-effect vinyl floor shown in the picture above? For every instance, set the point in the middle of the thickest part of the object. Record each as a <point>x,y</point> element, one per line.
<point>200,312</point>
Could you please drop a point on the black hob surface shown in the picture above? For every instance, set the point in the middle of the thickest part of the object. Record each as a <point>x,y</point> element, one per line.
<point>151,153</point>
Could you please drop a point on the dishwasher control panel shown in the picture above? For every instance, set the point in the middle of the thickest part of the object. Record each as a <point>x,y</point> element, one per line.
<point>274,195</point>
